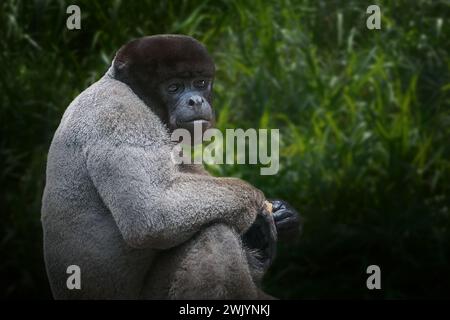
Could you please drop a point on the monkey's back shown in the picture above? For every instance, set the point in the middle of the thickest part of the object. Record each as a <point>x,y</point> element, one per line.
<point>78,228</point>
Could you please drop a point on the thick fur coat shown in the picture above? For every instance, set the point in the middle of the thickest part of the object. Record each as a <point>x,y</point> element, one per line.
<point>117,206</point>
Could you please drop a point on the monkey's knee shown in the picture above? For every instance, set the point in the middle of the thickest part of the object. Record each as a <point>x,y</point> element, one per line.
<point>212,265</point>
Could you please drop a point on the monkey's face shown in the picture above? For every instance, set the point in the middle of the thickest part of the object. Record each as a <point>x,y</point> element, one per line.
<point>173,75</point>
<point>188,101</point>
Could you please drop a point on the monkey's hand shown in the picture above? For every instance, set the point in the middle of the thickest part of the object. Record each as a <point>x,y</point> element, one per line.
<point>287,220</point>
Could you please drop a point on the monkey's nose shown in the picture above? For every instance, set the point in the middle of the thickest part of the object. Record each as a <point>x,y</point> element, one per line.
<point>195,101</point>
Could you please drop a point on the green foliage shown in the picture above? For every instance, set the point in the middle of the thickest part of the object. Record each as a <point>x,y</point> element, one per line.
<point>364,118</point>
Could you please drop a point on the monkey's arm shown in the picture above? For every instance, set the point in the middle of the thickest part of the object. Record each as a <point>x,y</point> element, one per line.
<point>260,241</point>
<point>281,222</point>
<point>156,205</point>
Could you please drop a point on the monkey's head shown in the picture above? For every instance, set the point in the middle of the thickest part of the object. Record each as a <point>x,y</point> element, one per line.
<point>172,74</point>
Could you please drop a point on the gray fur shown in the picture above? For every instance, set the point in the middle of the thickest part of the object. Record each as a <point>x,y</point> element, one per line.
<point>114,200</point>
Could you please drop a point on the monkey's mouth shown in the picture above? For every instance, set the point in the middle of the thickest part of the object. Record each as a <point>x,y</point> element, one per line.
<point>193,123</point>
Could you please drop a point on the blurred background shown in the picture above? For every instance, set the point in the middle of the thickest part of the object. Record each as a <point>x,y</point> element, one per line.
<point>364,119</point>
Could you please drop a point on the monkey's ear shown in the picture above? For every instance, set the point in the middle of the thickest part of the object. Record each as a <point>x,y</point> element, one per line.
<point>125,55</point>
<point>119,65</point>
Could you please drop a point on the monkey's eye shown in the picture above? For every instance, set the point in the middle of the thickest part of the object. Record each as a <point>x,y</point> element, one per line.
<point>200,84</point>
<point>173,88</point>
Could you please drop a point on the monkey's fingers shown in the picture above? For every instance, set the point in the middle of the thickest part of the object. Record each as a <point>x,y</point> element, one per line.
<point>268,206</point>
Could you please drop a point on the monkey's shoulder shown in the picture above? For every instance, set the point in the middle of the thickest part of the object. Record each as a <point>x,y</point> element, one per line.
<point>109,110</point>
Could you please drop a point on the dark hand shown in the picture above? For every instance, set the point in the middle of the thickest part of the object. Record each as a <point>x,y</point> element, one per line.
<point>287,220</point>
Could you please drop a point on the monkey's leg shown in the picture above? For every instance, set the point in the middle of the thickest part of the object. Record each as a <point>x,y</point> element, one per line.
<point>212,265</point>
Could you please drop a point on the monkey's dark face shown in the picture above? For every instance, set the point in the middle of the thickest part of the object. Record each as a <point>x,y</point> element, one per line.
<point>173,75</point>
<point>188,102</point>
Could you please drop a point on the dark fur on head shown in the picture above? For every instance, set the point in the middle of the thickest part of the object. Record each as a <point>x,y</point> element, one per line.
<point>146,62</point>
